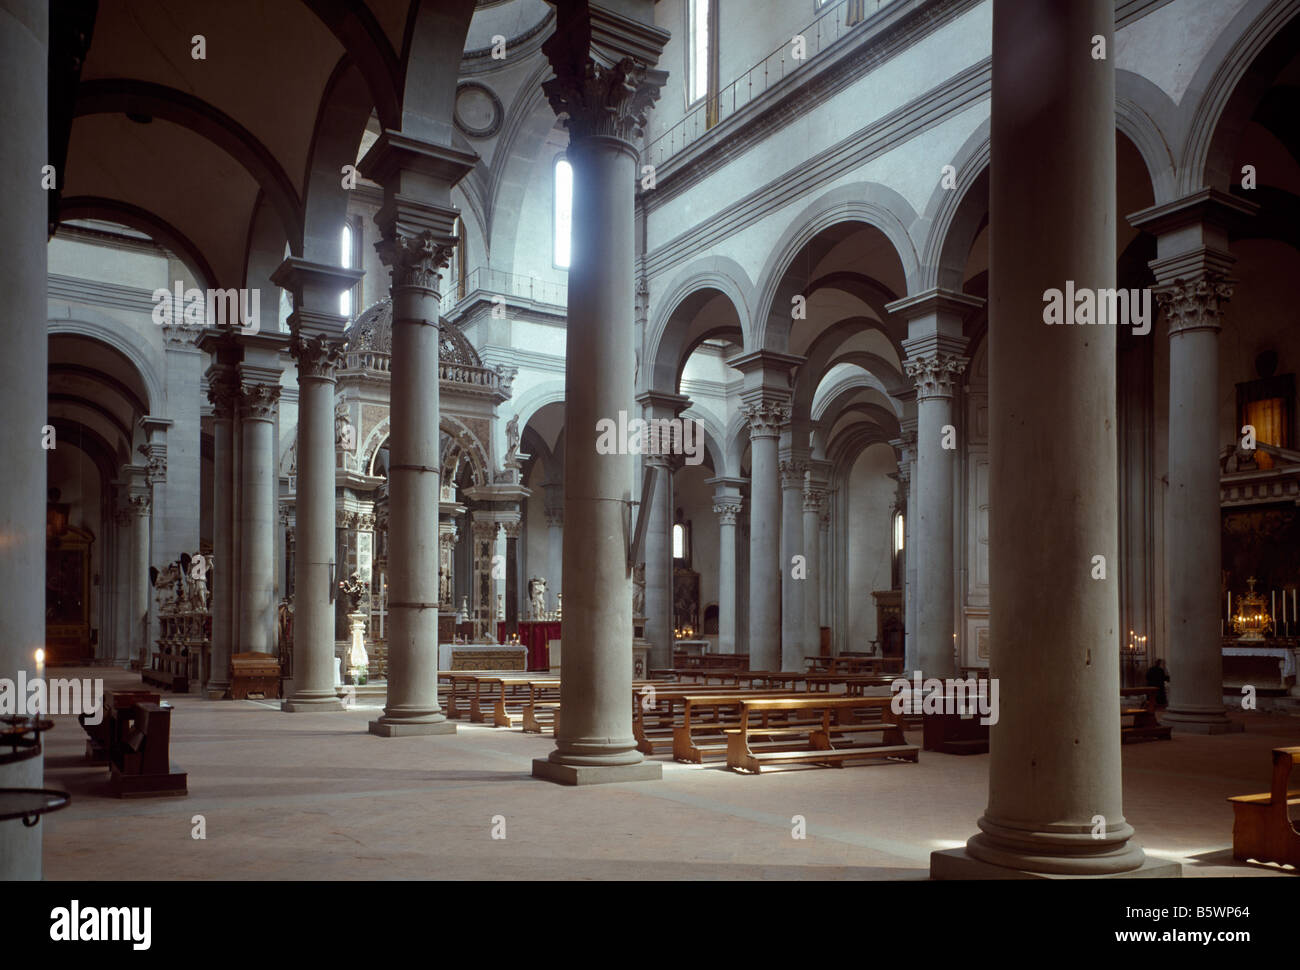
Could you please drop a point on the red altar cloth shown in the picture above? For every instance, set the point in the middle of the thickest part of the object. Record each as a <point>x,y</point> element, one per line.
<point>534,635</point>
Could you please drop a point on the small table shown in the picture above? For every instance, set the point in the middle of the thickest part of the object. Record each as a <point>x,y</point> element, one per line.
<point>22,735</point>
<point>29,804</point>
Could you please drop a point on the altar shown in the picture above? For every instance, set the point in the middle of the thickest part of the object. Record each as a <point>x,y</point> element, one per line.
<point>535,636</point>
<point>482,656</point>
<point>1269,665</point>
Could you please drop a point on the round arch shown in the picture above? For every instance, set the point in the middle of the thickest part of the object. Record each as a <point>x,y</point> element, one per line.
<point>145,358</point>
<point>668,338</point>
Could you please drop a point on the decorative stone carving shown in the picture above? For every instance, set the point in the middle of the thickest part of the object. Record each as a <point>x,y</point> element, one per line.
<point>766,418</point>
<point>555,518</point>
<point>123,516</point>
<point>223,391</point>
<point>792,473</point>
<point>181,334</point>
<point>365,522</point>
<point>813,499</point>
<point>935,374</point>
<point>155,456</point>
<point>317,356</point>
<point>139,504</point>
<point>1195,304</point>
<point>345,518</point>
<point>416,259</point>
<point>257,402</point>
<point>605,101</point>
<point>345,434</point>
<point>511,529</point>
<point>727,512</point>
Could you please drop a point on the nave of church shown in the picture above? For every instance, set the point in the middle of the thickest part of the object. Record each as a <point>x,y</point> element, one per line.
<point>527,440</point>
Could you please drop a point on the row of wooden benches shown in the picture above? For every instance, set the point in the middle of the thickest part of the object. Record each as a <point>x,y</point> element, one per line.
<point>750,726</point>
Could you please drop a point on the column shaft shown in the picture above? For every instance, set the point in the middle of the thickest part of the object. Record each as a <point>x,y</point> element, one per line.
<point>812,534</point>
<point>764,541</point>
<point>934,608</point>
<point>659,624</point>
<point>794,575</point>
<point>313,639</point>
<point>257,521</point>
<point>1055,750</point>
<point>221,391</point>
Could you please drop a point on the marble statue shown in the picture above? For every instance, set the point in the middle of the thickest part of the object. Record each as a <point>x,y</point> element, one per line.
<point>638,590</point>
<point>537,598</point>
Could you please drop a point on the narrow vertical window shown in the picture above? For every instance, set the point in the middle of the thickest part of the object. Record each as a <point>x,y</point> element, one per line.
<point>345,260</point>
<point>563,213</point>
<point>898,533</point>
<point>699,34</point>
<point>679,541</point>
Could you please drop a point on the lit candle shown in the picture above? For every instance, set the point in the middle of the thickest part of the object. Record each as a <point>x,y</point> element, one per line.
<point>40,675</point>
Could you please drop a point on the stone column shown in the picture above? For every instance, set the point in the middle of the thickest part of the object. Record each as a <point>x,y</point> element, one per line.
<point>1191,271</point>
<point>482,609</point>
<point>139,589</point>
<point>554,567</point>
<point>223,393</point>
<point>1055,749</point>
<point>727,505</point>
<point>659,625</point>
<point>165,546</point>
<point>765,417</point>
<point>417,222</point>
<point>814,500</point>
<point>794,575</point>
<point>935,364</point>
<point>257,403</point>
<point>317,344</point>
<point>604,84</point>
<point>117,649</point>
<point>23,368</point>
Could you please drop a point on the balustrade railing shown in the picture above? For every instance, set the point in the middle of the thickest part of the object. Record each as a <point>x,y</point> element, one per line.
<point>831,24</point>
<point>492,282</point>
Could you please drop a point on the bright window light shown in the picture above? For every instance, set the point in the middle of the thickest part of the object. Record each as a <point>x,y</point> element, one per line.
<point>899,532</point>
<point>679,542</point>
<point>563,212</point>
<point>699,38</point>
<point>345,260</point>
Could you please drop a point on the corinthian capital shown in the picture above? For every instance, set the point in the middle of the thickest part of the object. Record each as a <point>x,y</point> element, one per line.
<point>317,356</point>
<point>601,100</point>
<point>766,417</point>
<point>1195,304</point>
<point>155,456</point>
<point>727,512</point>
<point>813,499</point>
<point>258,402</point>
<point>792,473</point>
<point>935,374</point>
<point>416,258</point>
<point>223,391</point>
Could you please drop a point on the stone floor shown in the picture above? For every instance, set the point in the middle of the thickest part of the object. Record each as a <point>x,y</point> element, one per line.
<point>313,796</point>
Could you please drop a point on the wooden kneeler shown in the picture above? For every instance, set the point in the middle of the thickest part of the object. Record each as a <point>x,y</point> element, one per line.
<point>1261,829</point>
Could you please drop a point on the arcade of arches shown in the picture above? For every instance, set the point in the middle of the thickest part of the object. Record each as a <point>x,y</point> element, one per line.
<point>324,373</point>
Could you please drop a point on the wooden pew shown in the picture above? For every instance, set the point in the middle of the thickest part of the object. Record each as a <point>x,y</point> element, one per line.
<point>726,713</point>
<point>1261,828</point>
<point>819,748</point>
<point>99,736</point>
<point>1145,727</point>
<point>139,749</point>
<point>543,707</point>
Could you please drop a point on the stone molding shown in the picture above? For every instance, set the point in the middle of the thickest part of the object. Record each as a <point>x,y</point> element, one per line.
<point>935,375</point>
<point>1195,304</point>
<point>814,499</point>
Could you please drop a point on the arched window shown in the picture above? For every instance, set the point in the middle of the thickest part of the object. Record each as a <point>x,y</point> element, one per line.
<point>563,213</point>
<point>679,541</point>
<point>899,532</point>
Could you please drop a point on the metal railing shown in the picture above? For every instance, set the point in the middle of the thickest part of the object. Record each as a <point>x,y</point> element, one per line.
<point>488,282</point>
<point>707,113</point>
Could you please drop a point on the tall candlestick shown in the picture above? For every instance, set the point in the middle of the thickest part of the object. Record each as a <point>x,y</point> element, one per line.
<point>1274,611</point>
<point>1229,606</point>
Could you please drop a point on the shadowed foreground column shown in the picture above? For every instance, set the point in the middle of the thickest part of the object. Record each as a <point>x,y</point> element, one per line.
<point>1054,803</point>
<point>604,84</point>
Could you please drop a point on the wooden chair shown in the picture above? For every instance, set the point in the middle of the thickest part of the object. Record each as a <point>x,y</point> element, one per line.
<point>1261,828</point>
